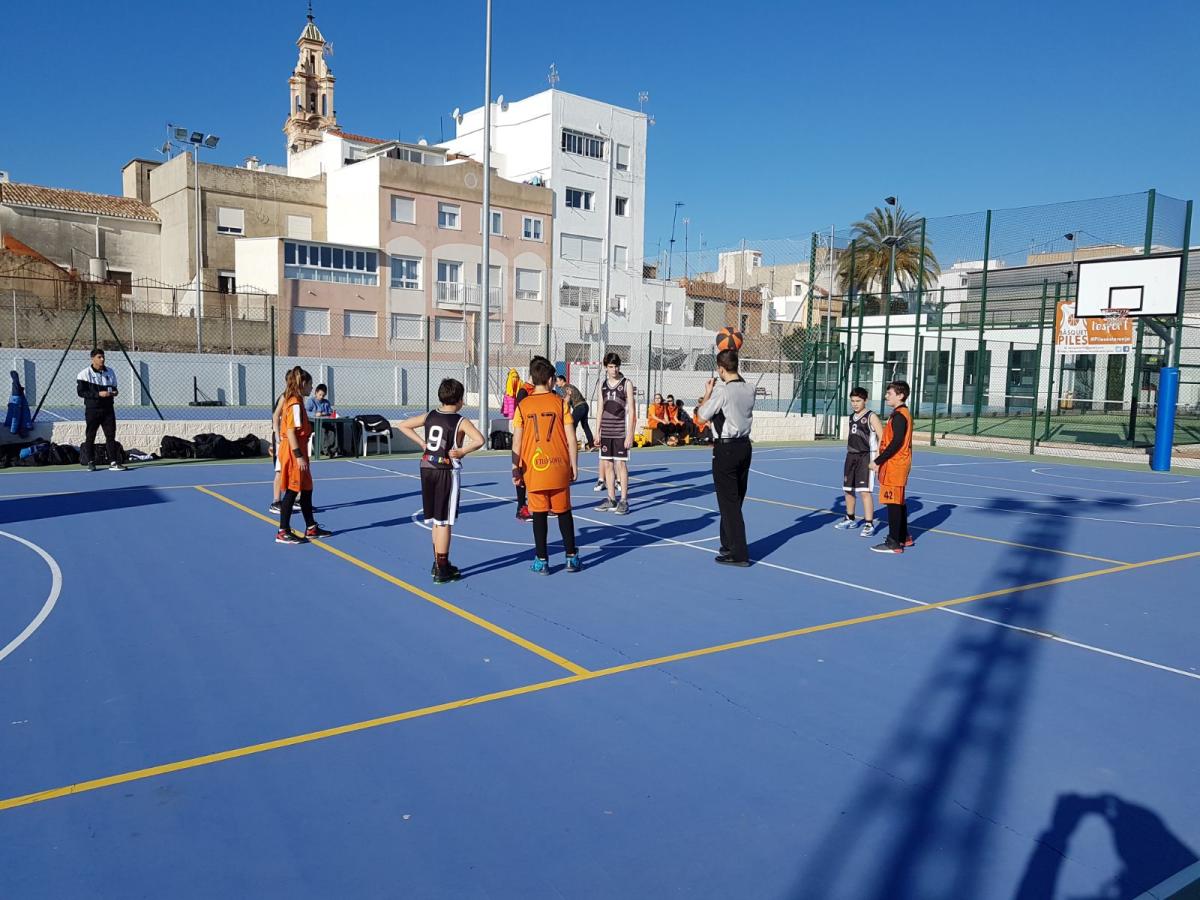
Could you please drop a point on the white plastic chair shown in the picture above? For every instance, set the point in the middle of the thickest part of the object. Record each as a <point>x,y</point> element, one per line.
<point>364,438</point>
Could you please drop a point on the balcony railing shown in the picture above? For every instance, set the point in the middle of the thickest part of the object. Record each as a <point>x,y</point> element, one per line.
<point>452,295</point>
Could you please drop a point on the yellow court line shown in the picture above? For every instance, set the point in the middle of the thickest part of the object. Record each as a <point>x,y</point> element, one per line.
<point>416,591</point>
<point>961,534</point>
<point>309,737</point>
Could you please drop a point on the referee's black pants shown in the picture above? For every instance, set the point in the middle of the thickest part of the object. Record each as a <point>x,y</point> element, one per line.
<point>731,475</point>
<point>103,420</point>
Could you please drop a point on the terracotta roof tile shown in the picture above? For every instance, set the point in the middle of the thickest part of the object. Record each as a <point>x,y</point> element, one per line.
<point>355,137</point>
<point>76,201</point>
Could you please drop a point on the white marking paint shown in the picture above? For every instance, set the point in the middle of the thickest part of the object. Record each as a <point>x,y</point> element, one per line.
<point>55,589</point>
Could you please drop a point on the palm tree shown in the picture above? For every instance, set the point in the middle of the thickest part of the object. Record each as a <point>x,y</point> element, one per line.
<point>872,254</point>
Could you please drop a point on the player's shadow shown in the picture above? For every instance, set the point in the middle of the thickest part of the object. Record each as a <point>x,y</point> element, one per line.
<point>763,547</point>
<point>1149,853</point>
<point>407,519</point>
<point>368,501</point>
<point>53,506</point>
<point>919,823</point>
<point>934,516</point>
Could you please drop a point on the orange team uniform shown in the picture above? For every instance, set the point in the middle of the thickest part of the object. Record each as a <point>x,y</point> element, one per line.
<point>893,474</point>
<point>545,421</point>
<point>290,476</point>
<point>656,416</point>
<point>701,425</point>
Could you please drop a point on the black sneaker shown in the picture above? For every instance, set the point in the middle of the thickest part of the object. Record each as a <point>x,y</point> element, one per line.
<point>316,531</point>
<point>446,575</point>
<point>888,546</point>
<point>117,467</point>
<point>286,537</point>
<point>91,467</point>
<point>274,509</point>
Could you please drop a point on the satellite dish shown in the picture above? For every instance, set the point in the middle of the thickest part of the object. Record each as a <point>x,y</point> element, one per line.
<point>500,102</point>
<point>456,115</point>
<point>423,143</point>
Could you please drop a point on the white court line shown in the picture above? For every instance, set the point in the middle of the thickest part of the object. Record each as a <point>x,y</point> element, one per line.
<point>1041,470</point>
<point>1016,512</point>
<point>1165,502</point>
<point>56,580</point>
<point>860,587</point>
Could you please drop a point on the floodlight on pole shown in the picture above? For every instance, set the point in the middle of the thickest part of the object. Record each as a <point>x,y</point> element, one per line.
<point>197,139</point>
<point>181,134</point>
<point>211,141</point>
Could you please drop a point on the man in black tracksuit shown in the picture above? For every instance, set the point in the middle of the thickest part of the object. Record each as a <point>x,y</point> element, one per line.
<point>97,385</point>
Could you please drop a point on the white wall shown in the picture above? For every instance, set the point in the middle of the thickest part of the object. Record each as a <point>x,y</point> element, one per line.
<point>256,265</point>
<point>352,214</point>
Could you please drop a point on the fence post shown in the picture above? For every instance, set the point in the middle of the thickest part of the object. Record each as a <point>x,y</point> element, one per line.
<point>1151,196</point>
<point>937,378</point>
<point>271,392</point>
<point>853,294</point>
<point>1176,355</point>
<point>1050,368</point>
<point>916,363</point>
<point>93,305</point>
<point>950,381</point>
<point>980,350</point>
<point>428,358</point>
<point>1037,368</point>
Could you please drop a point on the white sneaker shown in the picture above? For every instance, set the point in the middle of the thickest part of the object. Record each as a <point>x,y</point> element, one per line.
<point>845,524</point>
<point>868,529</point>
<point>598,487</point>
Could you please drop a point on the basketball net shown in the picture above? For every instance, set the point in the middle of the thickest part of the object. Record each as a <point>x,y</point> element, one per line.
<point>1115,317</point>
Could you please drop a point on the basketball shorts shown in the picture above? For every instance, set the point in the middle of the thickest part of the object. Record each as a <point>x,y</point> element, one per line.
<point>613,448</point>
<point>857,476</point>
<point>891,494</point>
<point>291,477</point>
<point>439,495</point>
<point>556,501</point>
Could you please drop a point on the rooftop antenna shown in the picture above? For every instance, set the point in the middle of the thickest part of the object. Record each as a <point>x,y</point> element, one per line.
<point>643,97</point>
<point>553,76</point>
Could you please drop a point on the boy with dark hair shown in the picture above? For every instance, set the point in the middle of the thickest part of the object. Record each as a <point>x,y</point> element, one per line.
<point>618,417</point>
<point>449,436</point>
<point>893,465</point>
<point>545,462</point>
<point>862,444</point>
<point>97,385</point>
<point>579,408</point>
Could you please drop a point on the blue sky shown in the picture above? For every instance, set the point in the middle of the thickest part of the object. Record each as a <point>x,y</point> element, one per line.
<point>773,119</point>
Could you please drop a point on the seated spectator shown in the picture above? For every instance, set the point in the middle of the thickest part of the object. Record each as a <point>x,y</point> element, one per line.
<point>318,407</point>
<point>672,427</point>
<point>702,433</point>
<point>686,427</point>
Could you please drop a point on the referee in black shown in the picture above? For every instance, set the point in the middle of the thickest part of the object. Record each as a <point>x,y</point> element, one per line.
<point>97,385</point>
<point>728,403</point>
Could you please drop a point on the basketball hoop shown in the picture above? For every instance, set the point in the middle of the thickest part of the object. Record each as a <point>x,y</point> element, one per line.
<point>1115,316</point>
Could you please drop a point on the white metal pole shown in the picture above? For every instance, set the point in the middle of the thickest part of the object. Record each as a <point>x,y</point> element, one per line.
<point>199,243</point>
<point>486,275</point>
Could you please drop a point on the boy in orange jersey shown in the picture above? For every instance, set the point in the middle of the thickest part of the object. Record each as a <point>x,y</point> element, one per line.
<point>544,463</point>
<point>893,465</point>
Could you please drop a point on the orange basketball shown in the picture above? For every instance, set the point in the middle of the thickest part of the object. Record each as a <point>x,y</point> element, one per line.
<point>729,339</point>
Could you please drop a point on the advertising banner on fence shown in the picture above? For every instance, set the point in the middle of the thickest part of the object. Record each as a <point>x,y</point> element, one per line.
<point>1104,335</point>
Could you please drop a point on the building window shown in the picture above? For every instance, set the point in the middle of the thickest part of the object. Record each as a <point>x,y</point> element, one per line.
<point>584,299</point>
<point>497,222</point>
<point>299,227</point>
<point>360,324</point>
<point>582,144</point>
<point>622,158</point>
<point>577,199</point>
<point>620,256</point>
<point>406,327</point>
<point>662,312</point>
<point>448,216</point>
<point>323,262</point>
<point>618,304</point>
<point>529,284</point>
<point>577,246</point>
<point>406,273</point>
<point>404,209</point>
<point>697,314</point>
<point>230,220</point>
<point>621,207</point>
<point>745,322</point>
<point>125,280</point>
<point>306,320</point>
<point>226,282</point>
<point>445,329</point>
<point>531,228</point>
<point>755,260</point>
<point>527,333</point>
<point>449,272</point>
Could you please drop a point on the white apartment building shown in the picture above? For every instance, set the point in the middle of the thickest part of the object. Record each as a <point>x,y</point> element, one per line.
<point>593,157</point>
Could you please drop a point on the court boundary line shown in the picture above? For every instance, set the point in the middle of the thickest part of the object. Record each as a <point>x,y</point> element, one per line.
<point>446,605</point>
<point>536,687</point>
<point>56,582</point>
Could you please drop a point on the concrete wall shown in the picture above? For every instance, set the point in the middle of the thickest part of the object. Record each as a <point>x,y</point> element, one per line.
<point>69,239</point>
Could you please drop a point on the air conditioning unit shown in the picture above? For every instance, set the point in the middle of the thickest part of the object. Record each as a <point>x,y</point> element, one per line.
<point>3,177</point>
<point>589,326</point>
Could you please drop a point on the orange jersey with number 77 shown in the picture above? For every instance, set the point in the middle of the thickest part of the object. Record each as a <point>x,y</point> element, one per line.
<point>544,420</point>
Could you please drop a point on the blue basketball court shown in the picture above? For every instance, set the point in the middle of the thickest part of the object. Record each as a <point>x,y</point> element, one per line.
<point>1008,709</point>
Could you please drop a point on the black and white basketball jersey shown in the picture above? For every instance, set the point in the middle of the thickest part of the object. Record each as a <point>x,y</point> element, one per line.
<point>862,437</point>
<point>441,436</point>
<point>613,413</point>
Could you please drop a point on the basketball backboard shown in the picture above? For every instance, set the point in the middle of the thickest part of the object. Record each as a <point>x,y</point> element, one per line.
<point>1136,285</point>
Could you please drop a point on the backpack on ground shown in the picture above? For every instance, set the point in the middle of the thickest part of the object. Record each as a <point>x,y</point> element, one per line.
<point>176,448</point>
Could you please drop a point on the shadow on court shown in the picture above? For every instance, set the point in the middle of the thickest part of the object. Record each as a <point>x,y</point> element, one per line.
<point>1147,851</point>
<point>54,506</point>
<point>922,821</point>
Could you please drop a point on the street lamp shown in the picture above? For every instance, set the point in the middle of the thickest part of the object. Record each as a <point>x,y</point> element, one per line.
<point>197,139</point>
<point>671,246</point>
